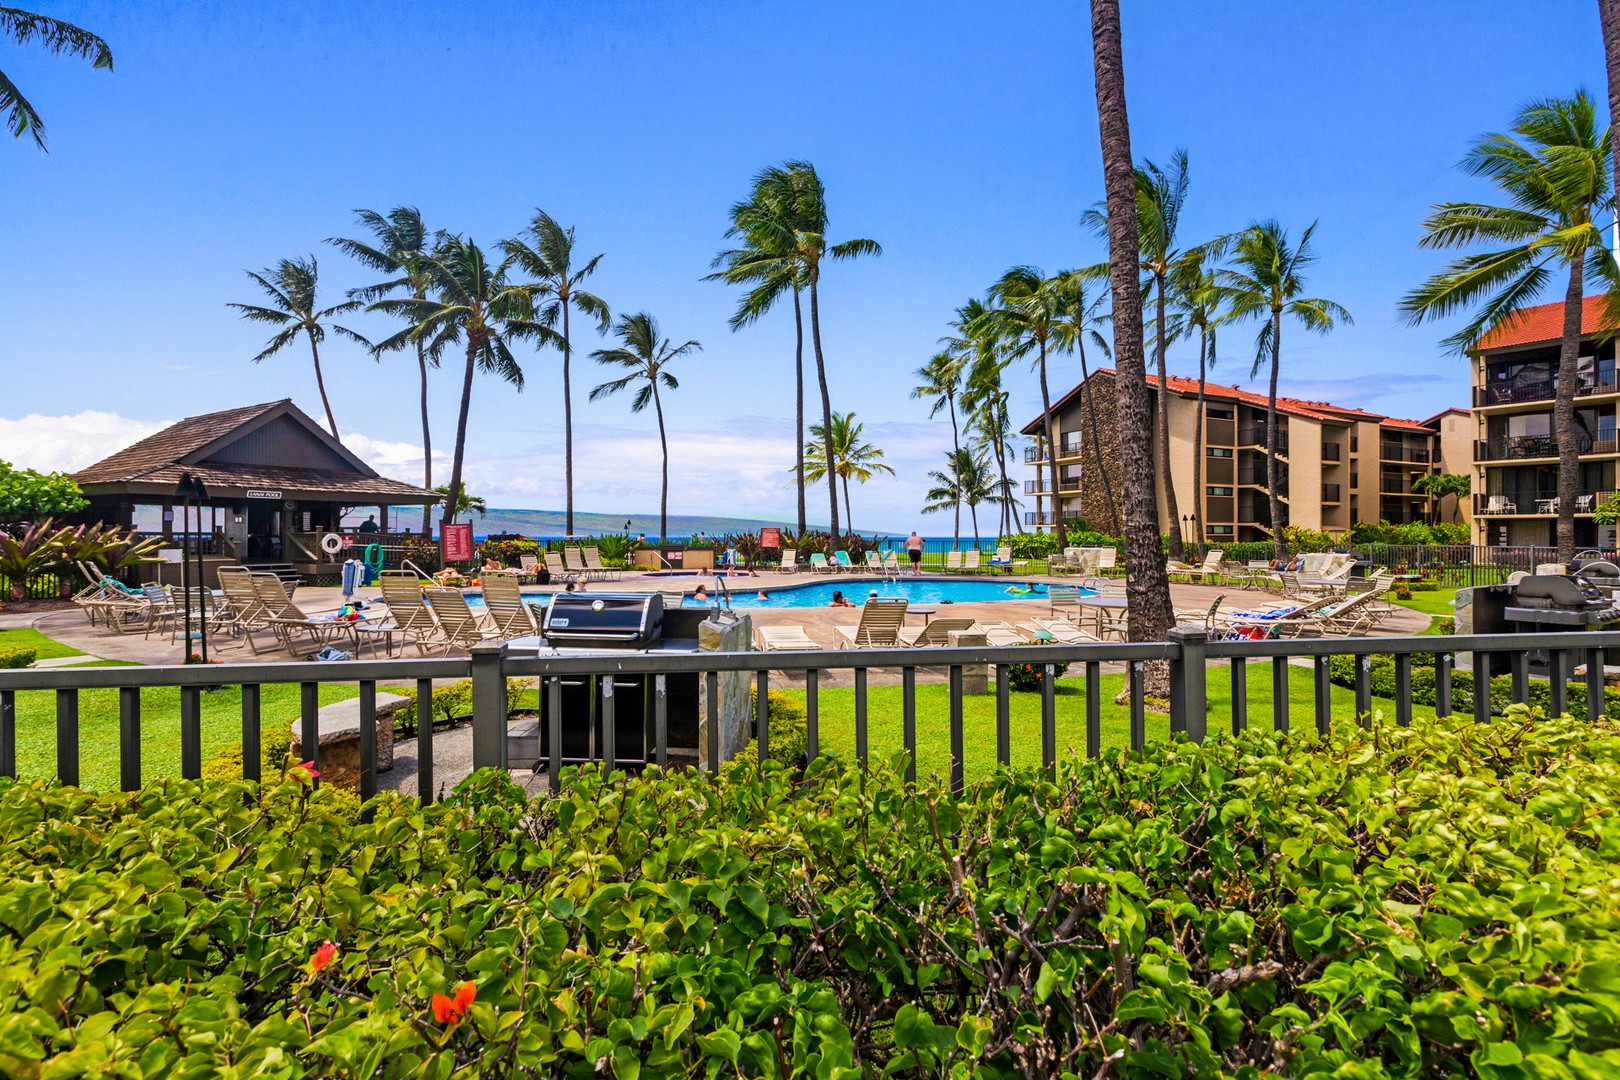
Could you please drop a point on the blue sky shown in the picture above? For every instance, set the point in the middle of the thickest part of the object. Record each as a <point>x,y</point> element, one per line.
<point>961,137</point>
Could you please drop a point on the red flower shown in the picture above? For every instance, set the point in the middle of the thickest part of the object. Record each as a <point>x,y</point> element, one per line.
<point>464,997</point>
<point>452,1010</point>
<point>305,773</point>
<point>322,956</point>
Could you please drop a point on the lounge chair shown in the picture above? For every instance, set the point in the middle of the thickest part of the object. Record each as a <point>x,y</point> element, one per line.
<point>508,611</point>
<point>574,561</point>
<point>1002,634</point>
<point>953,562</point>
<point>1352,616</point>
<point>1202,617</point>
<point>1061,631</point>
<point>531,567</point>
<point>843,565</point>
<point>559,571</point>
<point>594,564</point>
<point>456,624</point>
<point>891,564</point>
<point>1302,620</point>
<point>287,619</point>
<point>784,639</point>
<point>820,565</point>
<point>936,633</point>
<point>1210,567</point>
<point>970,561</point>
<point>1107,560</point>
<point>879,627</point>
<point>402,594</point>
<point>673,597</point>
<point>874,562</point>
<point>789,563</point>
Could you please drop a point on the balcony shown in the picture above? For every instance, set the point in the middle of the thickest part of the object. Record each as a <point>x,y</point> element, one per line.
<point>1330,493</point>
<point>1535,504</point>
<point>1069,448</point>
<point>1396,484</point>
<point>1397,452</point>
<point>1256,475</point>
<point>1045,517</point>
<point>1330,451</point>
<point>1538,390</point>
<point>1255,435</point>
<point>1515,447</point>
<point>1041,487</point>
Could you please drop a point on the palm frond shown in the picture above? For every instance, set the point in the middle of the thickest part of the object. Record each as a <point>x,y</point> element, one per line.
<point>21,116</point>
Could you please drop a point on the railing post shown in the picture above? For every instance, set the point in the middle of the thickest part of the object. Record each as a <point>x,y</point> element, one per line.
<point>67,737</point>
<point>1188,703</point>
<point>8,733</point>
<point>488,706</point>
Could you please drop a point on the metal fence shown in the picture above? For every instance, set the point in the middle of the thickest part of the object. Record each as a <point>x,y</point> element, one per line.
<point>1187,653</point>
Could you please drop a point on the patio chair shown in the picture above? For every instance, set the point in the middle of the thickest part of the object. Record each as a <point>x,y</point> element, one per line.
<point>456,624</point>
<point>789,563</point>
<point>402,595</point>
<point>574,561</point>
<point>559,571</point>
<point>1107,560</point>
<point>1064,601</point>
<point>784,639</point>
<point>970,561</point>
<point>842,563</point>
<point>820,565</point>
<point>594,565</point>
<point>891,564</point>
<point>1210,567</point>
<point>508,611</point>
<point>1061,631</point>
<point>1113,623</point>
<point>999,635</point>
<point>530,565</point>
<point>1500,504</point>
<point>673,597</point>
<point>244,614</point>
<point>1201,616</point>
<point>936,634</point>
<point>953,562</point>
<point>879,627</point>
<point>874,562</point>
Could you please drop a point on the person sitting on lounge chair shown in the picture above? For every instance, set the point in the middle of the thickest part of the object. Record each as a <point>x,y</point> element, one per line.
<point>839,600</point>
<point>491,565</point>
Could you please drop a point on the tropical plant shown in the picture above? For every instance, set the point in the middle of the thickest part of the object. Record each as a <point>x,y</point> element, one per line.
<point>401,249</point>
<point>1147,585</point>
<point>54,36</point>
<point>939,382</point>
<point>465,503</point>
<point>1160,196</point>
<point>966,480</point>
<point>39,548</point>
<point>1554,167</point>
<point>476,305</point>
<point>852,459</point>
<point>291,285</point>
<point>545,252</point>
<point>26,495</point>
<point>990,429</point>
<point>784,225</point>
<point>647,358</point>
<point>1082,312</point>
<point>1438,485</point>
<point>1265,280</point>
<point>1198,303</point>
<point>984,395</point>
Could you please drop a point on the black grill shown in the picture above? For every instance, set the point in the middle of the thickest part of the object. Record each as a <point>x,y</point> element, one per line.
<point>604,620</point>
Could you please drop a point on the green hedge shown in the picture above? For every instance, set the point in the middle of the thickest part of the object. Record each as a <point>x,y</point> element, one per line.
<point>17,656</point>
<point>1342,671</point>
<point>1436,901</point>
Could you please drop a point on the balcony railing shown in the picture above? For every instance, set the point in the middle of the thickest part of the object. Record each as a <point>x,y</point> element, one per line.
<point>1534,504</point>
<point>1514,447</point>
<point>1330,493</point>
<point>1068,483</point>
<point>1397,452</point>
<point>1539,390</point>
<point>1044,517</point>
<point>1330,451</point>
<point>1257,475</point>
<point>1255,435</point>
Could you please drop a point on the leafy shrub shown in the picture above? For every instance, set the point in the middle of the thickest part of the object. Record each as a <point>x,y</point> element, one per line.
<point>1342,671</point>
<point>26,495</point>
<point>508,551</point>
<point>788,723</point>
<point>1298,538</point>
<point>17,656</point>
<point>1031,545</point>
<point>1027,677</point>
<point>1448,625</point>
<point>1413,532</point>
<point>1403,592</point>
<point>1425,902</point>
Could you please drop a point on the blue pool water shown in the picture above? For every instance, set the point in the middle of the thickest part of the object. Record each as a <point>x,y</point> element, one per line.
<point>745,592</point>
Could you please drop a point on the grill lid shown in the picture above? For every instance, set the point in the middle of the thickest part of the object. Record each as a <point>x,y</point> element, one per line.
<point>1558,591</point>
<point>624,620</point>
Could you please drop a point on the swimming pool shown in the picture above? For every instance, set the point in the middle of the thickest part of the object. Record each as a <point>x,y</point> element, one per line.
<point>922,591</point>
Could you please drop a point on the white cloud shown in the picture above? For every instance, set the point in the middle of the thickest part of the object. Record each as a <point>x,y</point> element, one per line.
<point>67,443</point>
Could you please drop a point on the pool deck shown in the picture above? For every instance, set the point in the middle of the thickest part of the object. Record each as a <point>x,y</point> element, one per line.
<point>70,627</point>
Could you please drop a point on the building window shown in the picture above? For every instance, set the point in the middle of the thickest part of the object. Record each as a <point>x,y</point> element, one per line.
<point>1355,477</point>
<point>1218,414</point>
<point>1355,442</point>
<point>1217,491</point>
<point>1218,530</point>
<point>1220,451</point>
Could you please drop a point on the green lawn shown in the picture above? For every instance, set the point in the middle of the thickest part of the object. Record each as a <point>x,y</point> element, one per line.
<point>884,731</point>
<point>44,648</point>
<point>1436,602</point>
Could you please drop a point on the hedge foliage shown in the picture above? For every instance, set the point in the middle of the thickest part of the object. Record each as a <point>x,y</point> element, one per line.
<point>17,656</point>
<point>1436,901</point>
<point>1342,671</point>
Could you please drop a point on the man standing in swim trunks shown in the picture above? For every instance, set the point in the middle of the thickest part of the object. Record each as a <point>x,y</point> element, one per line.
<point>914,546</point>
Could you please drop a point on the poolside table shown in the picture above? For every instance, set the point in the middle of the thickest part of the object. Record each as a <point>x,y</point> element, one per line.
<point>926,612</point>
<point>1110,603</point>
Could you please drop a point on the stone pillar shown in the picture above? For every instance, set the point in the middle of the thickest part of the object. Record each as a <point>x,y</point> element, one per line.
<point>975,677</point>
<point>726,633</point>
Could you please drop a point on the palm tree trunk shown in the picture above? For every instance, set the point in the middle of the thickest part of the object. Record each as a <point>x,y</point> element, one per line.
<point>1278,547</point>
<point>320,384</point>
<point>454,495</point>
<point>1147,584</point>
<point>798,399</point>
<point>1170,506</point>
<point>1198,443</point>
<point>663,444</point>
<point>1569,450</point>
<point>973,509</point>
<point>956,448</point>
<point>1096,444</point>
<point>1051,452</point>
<point>826,404</point>
<point>849,509</point>
<point>427,443</point>
<point>568,427</point>
<point>1609,18</point>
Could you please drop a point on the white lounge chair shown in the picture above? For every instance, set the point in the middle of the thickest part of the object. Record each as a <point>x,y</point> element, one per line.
<point>784,639</point>
<point>879,627</point>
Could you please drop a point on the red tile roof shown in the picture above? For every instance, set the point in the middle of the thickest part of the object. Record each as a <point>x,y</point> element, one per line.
<point>1543,323</point>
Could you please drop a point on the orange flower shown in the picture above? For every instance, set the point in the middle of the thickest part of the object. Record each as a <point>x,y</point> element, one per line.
<point>443,1008</point>
<point>464,997</point>
<point>322,956</point>
<point>453,1010</point>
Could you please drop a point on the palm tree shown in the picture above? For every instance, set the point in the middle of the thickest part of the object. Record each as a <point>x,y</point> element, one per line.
<point>549,261</point>
<point>939,383</point>
<point>646,357</point>
<point>1555,170</point>
<point>1266,281</point>
<point>290,285</point>
<point>966,479</point>
<point>55,36</point>
<point>1198,301</point>
<point>1609,19</point>
<point>400,249</point>
<point>852,458</point>
<point>766,261</point>
<point>1027,316</point>
<point>786,222</point>
<point>1082,314</point>
<point>978,347</point>
<point>465,503</point>
<point>1147,585</point>
<point>474,304</point>
<point>991,429</point>
<point>1160,195</point>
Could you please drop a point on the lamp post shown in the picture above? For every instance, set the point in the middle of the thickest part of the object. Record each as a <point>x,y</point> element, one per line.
<point>192,490</point>
<point>1186,527</point>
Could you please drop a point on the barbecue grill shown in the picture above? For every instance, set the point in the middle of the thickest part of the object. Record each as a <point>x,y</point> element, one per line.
<point>604,621</point>
<point>1540,604</point>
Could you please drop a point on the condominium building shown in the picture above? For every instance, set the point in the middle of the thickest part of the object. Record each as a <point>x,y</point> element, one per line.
<point>1336,465</point>
<point>1515,374</point>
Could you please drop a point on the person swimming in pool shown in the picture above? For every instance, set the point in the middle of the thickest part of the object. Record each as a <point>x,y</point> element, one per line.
<point>701,593</point>
<point>838,600</point>
<point>1019,590</point>
<point>762,595</point>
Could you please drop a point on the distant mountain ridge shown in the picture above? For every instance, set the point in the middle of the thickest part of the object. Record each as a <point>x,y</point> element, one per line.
<point>550,523</point>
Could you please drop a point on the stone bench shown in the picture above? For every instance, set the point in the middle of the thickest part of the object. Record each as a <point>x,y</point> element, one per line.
<point>339,739</point>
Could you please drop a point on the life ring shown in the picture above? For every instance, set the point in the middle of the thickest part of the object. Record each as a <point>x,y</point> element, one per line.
<point>331,543</point>
<point>374,557</point>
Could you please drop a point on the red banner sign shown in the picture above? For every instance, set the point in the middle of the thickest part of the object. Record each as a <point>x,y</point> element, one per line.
<point>457,542</point>
<point>770,538</point>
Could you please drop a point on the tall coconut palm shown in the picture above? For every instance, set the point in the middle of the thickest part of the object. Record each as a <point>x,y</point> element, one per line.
<point>1147,585</point>
<point>852,459</point>
<point>1198,300</point>
<point>990,429</point>
<point>291,286</point>
<point>1265,281</point>
<point>939,382</point>
<point>1554,168</point>
<point>1082,309</point>
<point>966,480</point>
<point>475,305</point>
<point>399,248</point>
<point>545,252</point>
<point>786,220</point>
<point>646,356</point>
<point>54,36</point>
<point>977,347</point>
<point>1027,314</point>
<point>1609,19</point>
<point>765,261</point>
